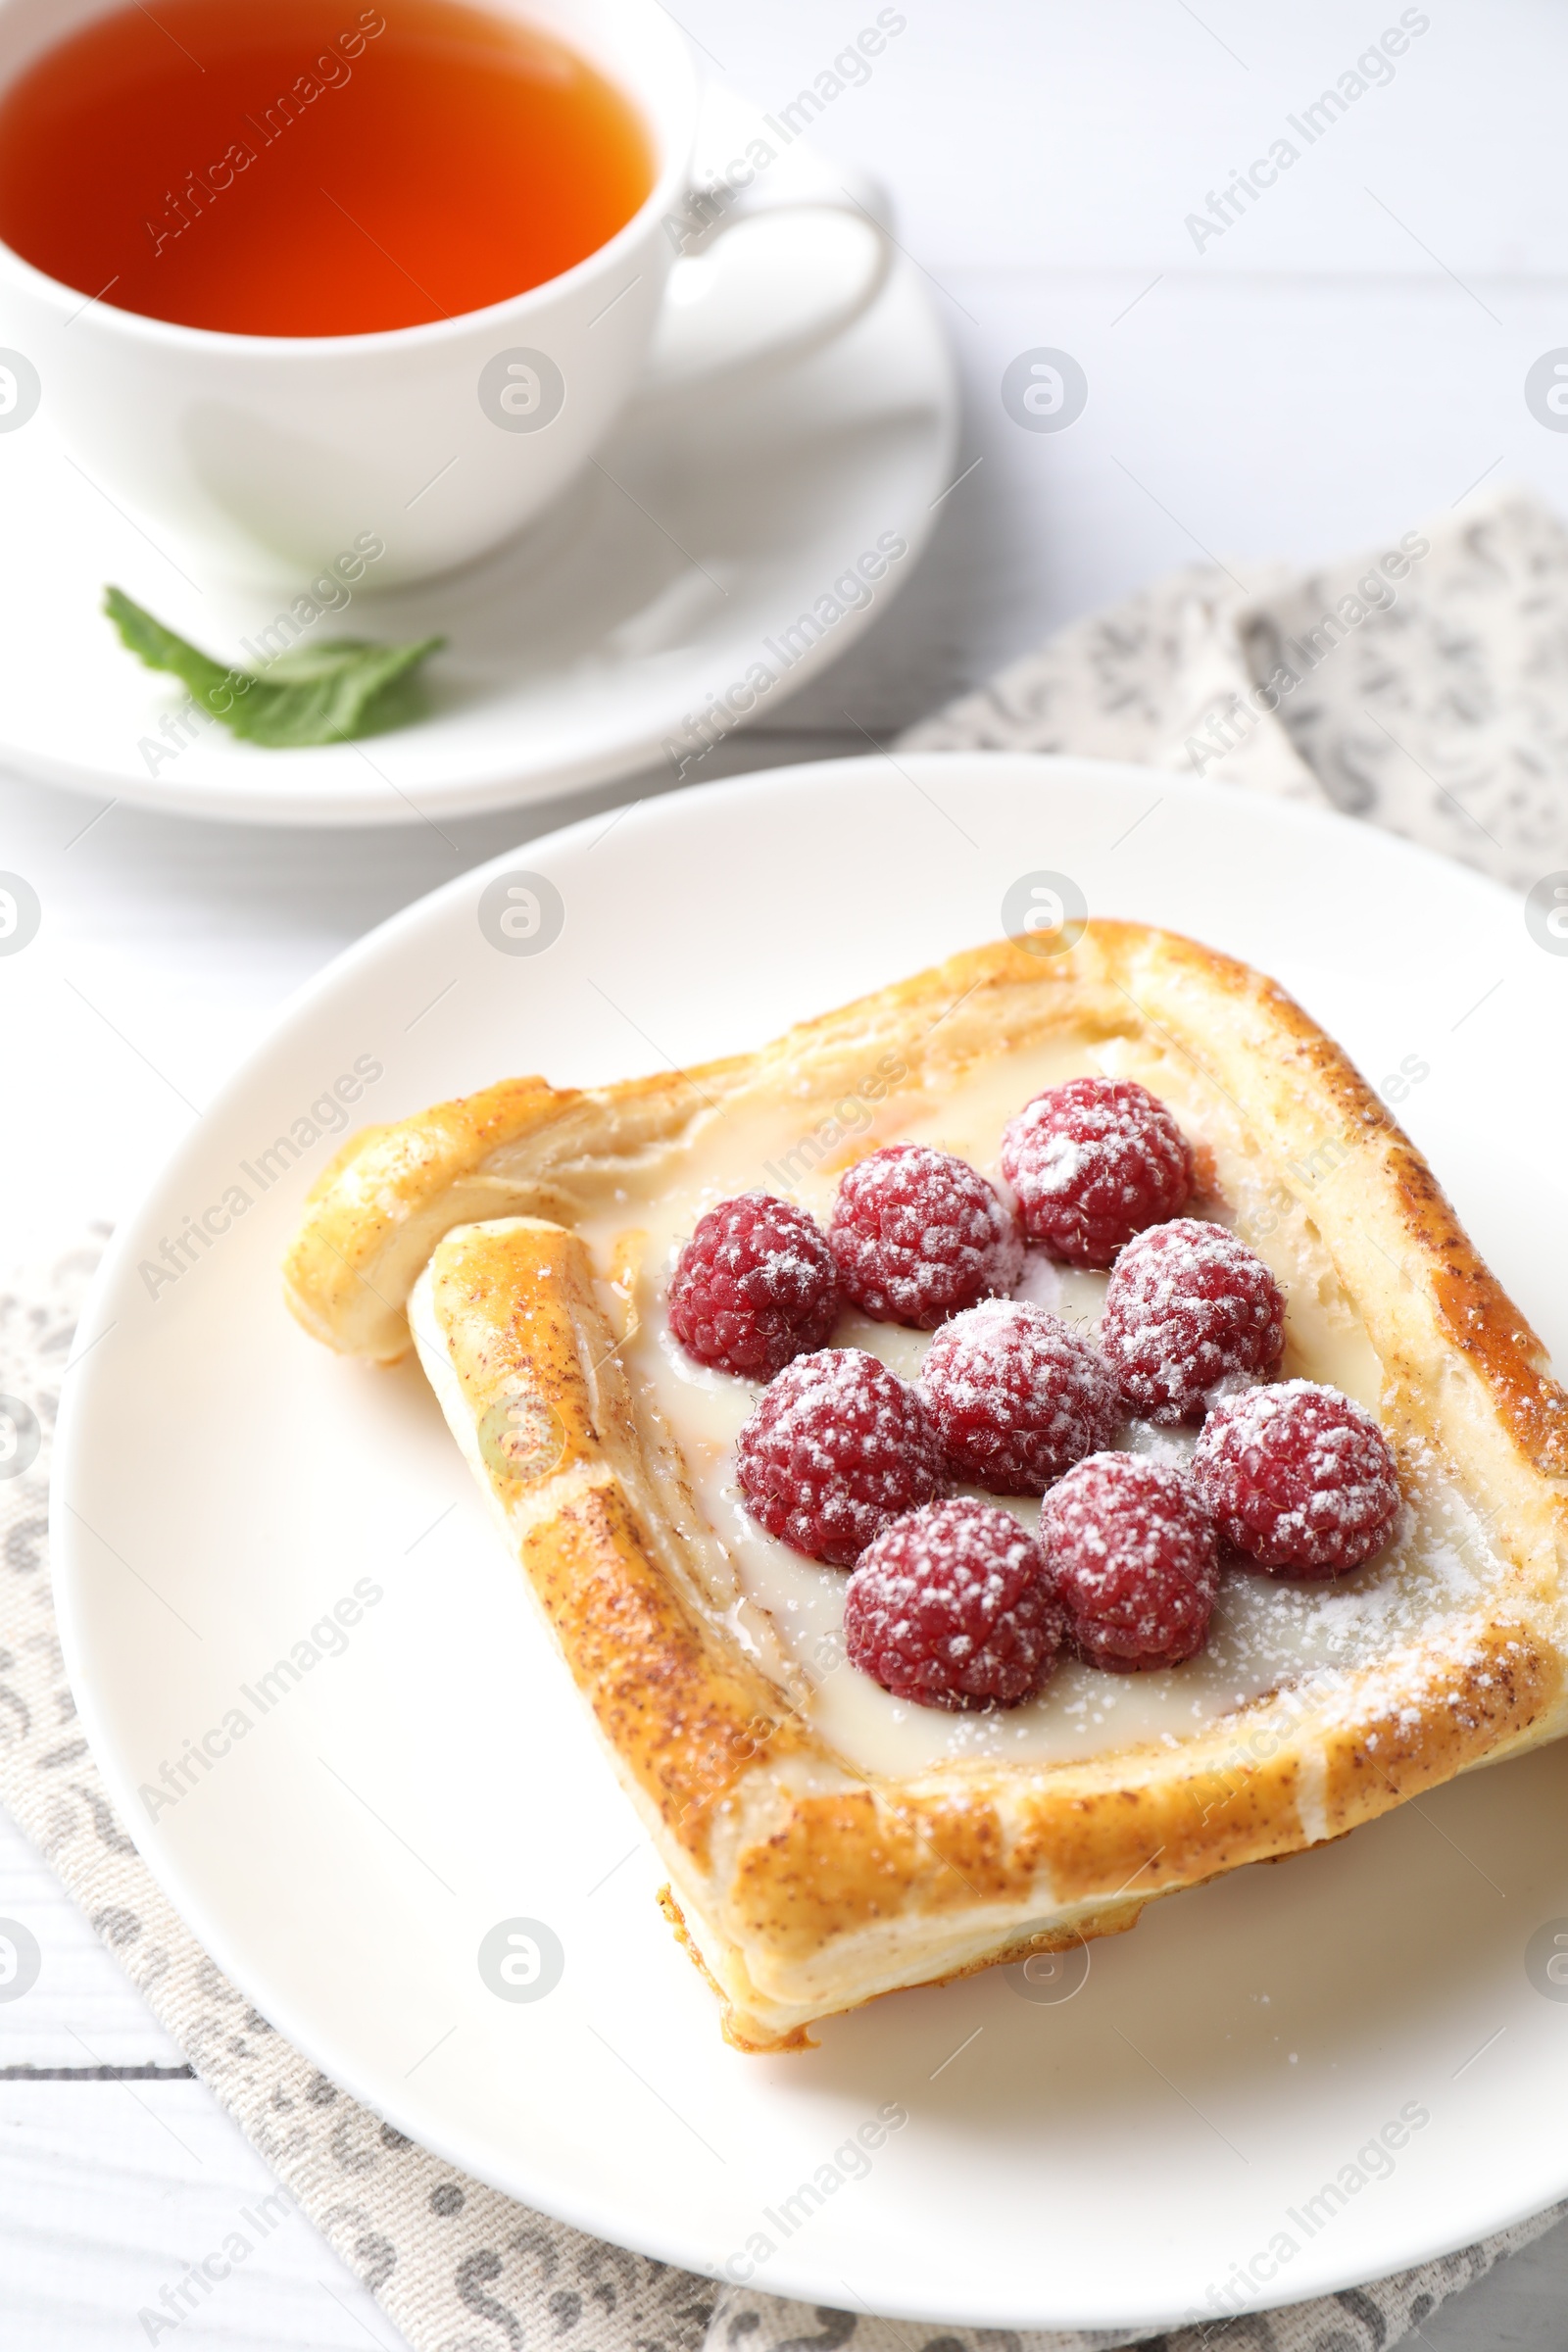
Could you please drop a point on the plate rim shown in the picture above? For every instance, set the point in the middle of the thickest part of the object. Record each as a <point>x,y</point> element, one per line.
<point>67,1570</point>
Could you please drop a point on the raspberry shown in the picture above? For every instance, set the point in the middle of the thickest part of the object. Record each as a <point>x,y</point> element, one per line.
<point>952,1607</point>
<point>1300,1478</point>
<point>1188,1308</point>
<point>756,1285</point>
<point>919,1234</point>
<point>1092,1162</point>
<point>837,1447</point>
<point>1134,1556</point>
<point>1016,1396</point>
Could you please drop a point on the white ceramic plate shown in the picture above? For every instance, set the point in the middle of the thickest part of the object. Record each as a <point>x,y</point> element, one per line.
<point>683,560</point>
<point>223,1482</point>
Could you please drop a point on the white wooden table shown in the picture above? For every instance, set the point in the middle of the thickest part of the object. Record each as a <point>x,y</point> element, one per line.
<point>1345,357</point>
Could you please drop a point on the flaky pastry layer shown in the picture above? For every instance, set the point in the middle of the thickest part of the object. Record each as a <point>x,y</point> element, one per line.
<point>803,1884</point>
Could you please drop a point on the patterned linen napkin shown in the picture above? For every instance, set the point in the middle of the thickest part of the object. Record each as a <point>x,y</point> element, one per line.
<point>1422,685</point>
<point>1428,691</point>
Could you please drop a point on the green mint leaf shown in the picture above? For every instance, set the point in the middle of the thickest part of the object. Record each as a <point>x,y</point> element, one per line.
<point>333,691</point>
<point>161,649</point>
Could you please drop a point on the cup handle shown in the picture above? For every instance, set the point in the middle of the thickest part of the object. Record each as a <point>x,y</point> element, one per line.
<point>768,273</point>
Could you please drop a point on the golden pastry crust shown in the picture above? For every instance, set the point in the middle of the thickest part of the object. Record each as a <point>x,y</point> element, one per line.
<point>805,1883</point>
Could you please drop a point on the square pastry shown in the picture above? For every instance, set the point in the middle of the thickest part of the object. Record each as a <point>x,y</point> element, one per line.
<point>1012,1448</point>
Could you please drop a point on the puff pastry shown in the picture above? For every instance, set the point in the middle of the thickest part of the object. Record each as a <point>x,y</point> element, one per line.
<point>817,1857</point>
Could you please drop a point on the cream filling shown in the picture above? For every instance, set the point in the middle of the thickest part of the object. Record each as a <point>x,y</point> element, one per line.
<point>1265,1636</point>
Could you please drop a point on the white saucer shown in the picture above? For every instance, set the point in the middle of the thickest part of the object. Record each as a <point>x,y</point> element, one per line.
<point>223,1482</point>
<point>576,654</point>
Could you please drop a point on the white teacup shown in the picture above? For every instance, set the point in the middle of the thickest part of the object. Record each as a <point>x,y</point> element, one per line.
<point>266,455</point>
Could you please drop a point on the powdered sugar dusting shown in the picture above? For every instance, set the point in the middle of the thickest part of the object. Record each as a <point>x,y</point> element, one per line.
<point>919,1235</point>
<point>1042,1282</point>
<point>1134,1555</point>
<point>1092,1162</point>
<point>1298,1478</point>
<point>1190,1311</point>
<point>838,1445</point>
<point>952,1607</point>
<point>756,1285</point>
<point>1017,1396</point>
